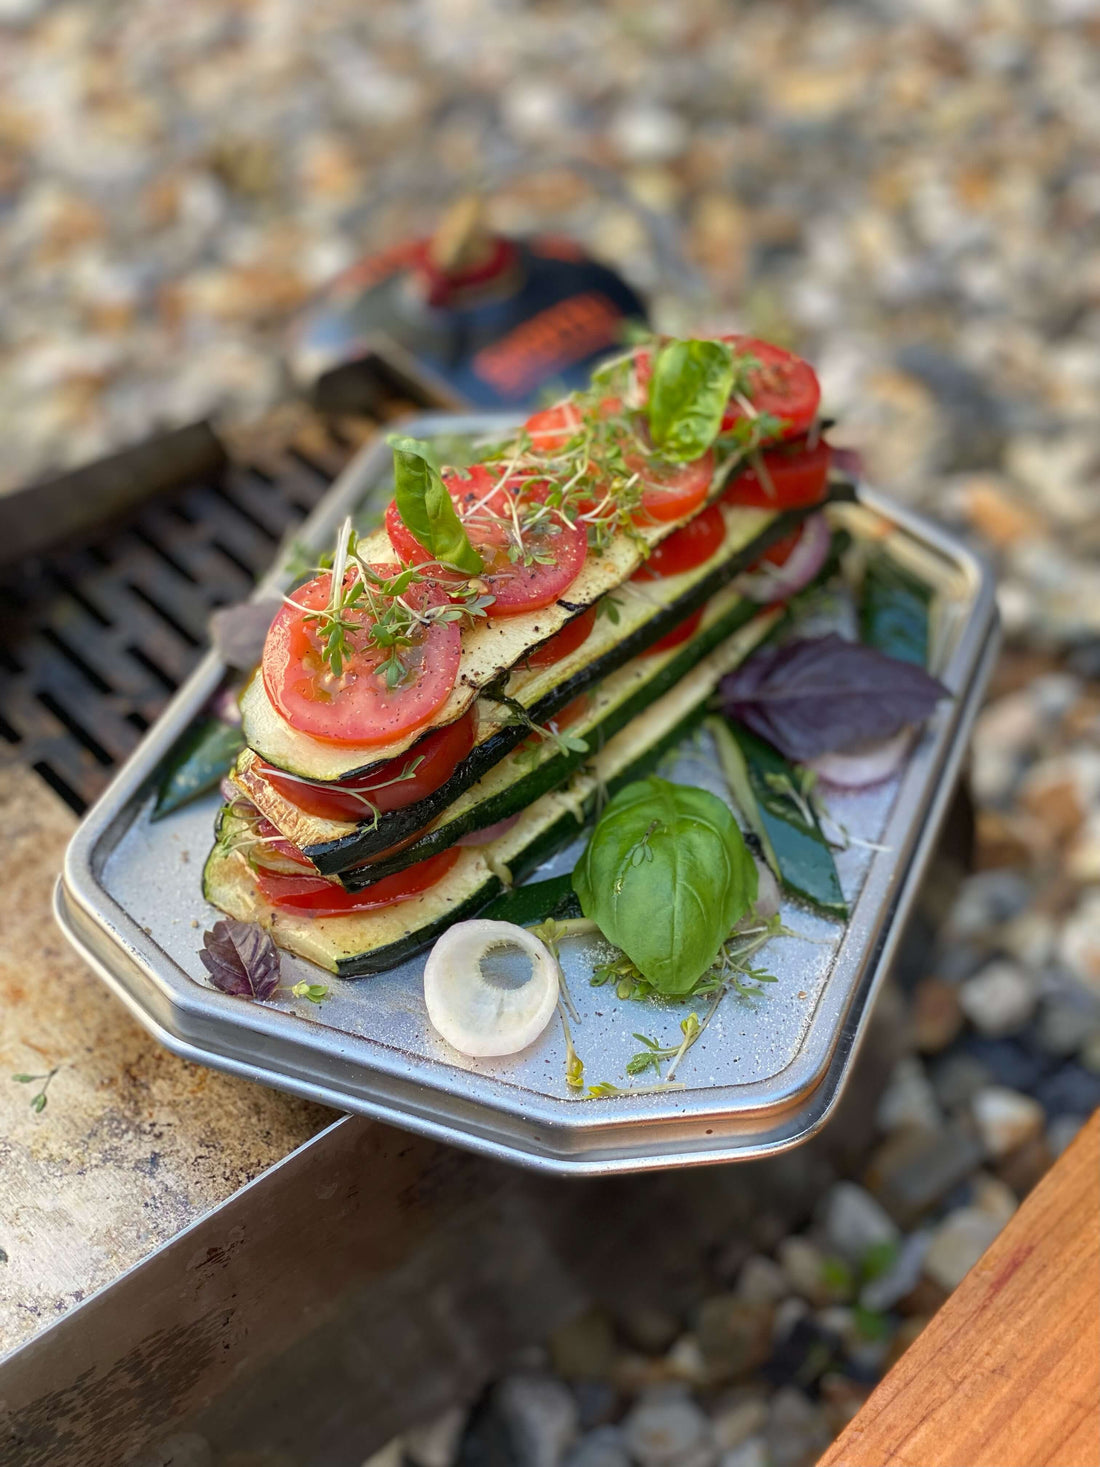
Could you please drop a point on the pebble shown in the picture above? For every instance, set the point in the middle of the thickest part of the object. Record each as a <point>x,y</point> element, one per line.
<point>603,1447</point>
<point>901,1278</point>
<point>435,1443</point>
<point>736,1422</point>
<point>541,1415</point>
<point>1062,1131</point>
<point>750,1453</point>
<point>584,1348</point>
<point>1066,1025</point>
<point>1072,1090</point>
<point>804,1265</point>
<point>1079,945</point>
<point>985,900</point>
<point>1005,1118</point>
<point>958,1243</point>
<point>855,1224</point>
<point>994,1196</point>
<point>667,1428</point>
<point>1000,999</point>
<point>911,1171</point>
<point>937,1015</point>
<point>796,1431</point>
<point>909,1100</point>
<point>957,1077</point>
<point>734,1333</point>
<point>761,1280</point>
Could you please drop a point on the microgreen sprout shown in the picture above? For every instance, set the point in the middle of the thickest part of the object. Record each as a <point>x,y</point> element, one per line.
<point>38,1100</point>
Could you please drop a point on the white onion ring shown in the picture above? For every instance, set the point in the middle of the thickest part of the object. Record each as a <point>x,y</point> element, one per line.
<point>769,583</point>
<point>767,890</point>
<point>488,833</point>
<point>479,1014</point>
<point>863,764</point>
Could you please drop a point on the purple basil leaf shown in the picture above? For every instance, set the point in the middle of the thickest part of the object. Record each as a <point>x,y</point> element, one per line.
<point>238,632</point>
<point>818,695</point>
<point>241,959</point>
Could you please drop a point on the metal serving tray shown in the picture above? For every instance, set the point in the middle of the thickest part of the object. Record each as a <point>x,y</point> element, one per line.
<point>765,1075</point>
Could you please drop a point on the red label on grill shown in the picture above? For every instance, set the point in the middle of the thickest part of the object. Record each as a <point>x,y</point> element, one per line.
<point>564,333</point>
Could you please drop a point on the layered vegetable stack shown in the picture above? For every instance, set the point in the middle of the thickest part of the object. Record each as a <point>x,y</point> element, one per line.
<point>451,697</point>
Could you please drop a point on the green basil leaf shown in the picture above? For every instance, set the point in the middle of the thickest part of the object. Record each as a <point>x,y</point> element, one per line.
<point>691,385</point>
<point>427,509</point>
<point>665,876</point>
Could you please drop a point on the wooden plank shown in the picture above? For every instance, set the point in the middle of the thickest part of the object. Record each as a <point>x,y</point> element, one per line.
<point>1008,1372</point>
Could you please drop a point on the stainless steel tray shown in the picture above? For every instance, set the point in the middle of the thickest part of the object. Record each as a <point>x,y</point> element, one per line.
<point>763,1078</point>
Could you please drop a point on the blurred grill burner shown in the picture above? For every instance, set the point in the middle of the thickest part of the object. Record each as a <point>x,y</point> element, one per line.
<point>98,632</point>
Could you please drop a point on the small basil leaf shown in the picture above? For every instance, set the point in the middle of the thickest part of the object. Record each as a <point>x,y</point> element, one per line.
<point>241,959</point>
<point>691,385</point>
<point>197,765</point>
<point>428,510</point>
<point>666,876</point>
<point>817,695</point>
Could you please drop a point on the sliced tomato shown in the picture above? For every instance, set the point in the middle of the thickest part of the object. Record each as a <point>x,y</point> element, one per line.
<point>571,712</point>
<point>573,635</point>
<point>783,385</point>
<point>669,491</point>
<point>555,550</point>
<point>550,429</point>
<point>435,756</point>
<point>687,628</point>
<point>358,707</point>
<point>686,548</point>
<point>795,476</point>
<point>314,896</point>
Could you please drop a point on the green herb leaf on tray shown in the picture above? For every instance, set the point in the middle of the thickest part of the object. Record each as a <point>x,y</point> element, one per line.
<point>428,510</point>
<point>893,611</point>
<point>820,695</point>
<point>691,385</point>
<point>197,764</point>
<point>666,876</point>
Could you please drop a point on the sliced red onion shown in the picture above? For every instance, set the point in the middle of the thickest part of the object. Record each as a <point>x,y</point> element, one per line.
<point>238,632</point>
<point>225,705</point>
<point>863,764</point>
<point>769,583</point>
<point>488,833</point>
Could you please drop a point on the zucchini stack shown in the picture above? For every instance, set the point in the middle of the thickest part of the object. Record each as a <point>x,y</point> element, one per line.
<point>362,881</point>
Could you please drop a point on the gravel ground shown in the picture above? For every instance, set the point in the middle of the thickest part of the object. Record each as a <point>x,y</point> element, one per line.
<point>908,191</point>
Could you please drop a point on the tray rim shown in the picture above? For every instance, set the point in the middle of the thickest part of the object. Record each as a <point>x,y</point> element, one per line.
<point>566,1138</point>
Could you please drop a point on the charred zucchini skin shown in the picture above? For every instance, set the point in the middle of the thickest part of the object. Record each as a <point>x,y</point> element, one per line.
<point>219,875</point>
<point>333,857</point>
<point>546,776</point>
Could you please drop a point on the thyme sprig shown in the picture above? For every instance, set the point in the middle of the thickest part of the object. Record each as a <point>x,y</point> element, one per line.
<point>38,1101</point>
<point>366,610</point>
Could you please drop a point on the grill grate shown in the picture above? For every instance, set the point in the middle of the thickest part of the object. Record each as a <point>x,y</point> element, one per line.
<point>96,637</point>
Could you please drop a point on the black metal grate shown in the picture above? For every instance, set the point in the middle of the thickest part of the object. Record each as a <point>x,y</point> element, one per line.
<point>95,638</point>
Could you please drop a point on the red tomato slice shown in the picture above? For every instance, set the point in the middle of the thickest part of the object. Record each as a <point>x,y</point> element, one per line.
<point>783,385</point>
<point>573,635</point>
<point>685,549</point>
<point>678,634</point>
<point>670,491</point>
<point>571,712</point>
<point>357,707</point>
<point>485,508</point>
<point>314,896</point>
<point>798,475</point>
<point>436,756</point>
<point>551,428</point>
